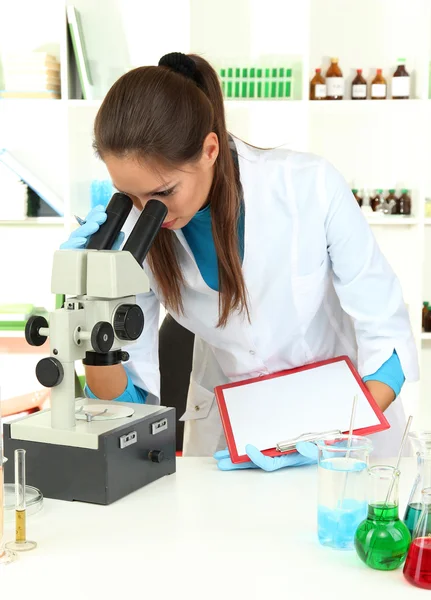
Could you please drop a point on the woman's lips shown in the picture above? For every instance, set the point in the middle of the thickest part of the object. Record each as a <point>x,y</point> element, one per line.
<point>169,224</point>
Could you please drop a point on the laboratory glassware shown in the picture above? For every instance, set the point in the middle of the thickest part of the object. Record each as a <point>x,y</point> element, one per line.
<point>417,568</point>
<point>21,543</point>
<point>421,442</point>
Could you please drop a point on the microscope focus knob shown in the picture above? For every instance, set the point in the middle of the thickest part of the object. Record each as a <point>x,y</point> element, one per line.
<point>129,321</point>
<point>102,337</point>
<point>32,327</point>
<point>49,372</point>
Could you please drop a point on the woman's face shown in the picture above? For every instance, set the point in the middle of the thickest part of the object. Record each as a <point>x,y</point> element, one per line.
<point>184,191</point>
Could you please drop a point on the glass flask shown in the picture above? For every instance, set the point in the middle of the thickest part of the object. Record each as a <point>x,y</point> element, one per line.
<point>417,569</point>
<point>6,556</point>
<point>382,540</point>
<point>421,442</point>
<point>342,481</point>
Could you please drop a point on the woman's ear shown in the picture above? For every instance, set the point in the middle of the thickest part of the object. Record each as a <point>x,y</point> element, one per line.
<point>210,150</point>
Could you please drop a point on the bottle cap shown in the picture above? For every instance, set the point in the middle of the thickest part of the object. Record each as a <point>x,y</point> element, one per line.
<point>358,71</point>
<point>404,191</point>
<point>334,60</point>
<point>380,191</point>
<point>401,61</point>
<point>379,71</point>
<point>392,191</point>
<point>354,191</point>
<point>318,70</point>
<point>426,303</point>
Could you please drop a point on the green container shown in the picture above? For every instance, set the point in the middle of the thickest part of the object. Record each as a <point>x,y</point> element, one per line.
<point>229,83</point>
<point>237,93</point>
<point>223,80</point>
<point>274,84</point>
<point>259,83</point>
<point>267,83</point>
<point>281,83</point>
<point>244,83</point>
<point>252,86</point>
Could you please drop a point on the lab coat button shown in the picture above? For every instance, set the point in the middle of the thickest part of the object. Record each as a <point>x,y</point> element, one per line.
<point>252,352</point>
<point>197,407</point>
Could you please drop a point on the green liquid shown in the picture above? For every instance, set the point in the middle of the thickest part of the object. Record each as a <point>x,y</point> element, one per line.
<point>382,540</point>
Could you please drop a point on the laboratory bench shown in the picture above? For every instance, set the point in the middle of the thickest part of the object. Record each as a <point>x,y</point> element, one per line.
<point>198,534</point>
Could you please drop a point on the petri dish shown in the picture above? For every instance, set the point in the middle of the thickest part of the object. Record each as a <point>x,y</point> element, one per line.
<point>33,499</point>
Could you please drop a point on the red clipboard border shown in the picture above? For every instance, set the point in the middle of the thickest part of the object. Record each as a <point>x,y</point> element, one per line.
<point>236,458</point>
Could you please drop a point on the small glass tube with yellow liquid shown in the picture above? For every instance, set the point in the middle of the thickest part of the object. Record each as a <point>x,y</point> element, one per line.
<point>21,544</point>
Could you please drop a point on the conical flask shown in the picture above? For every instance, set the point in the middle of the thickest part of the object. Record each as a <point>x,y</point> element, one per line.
<point>421,442</point>
<point>417,568</point>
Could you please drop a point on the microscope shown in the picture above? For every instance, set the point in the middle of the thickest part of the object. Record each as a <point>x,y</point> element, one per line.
<point>83,449</point>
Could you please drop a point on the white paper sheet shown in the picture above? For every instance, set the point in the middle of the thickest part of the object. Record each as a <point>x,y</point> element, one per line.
<point>320,399</point>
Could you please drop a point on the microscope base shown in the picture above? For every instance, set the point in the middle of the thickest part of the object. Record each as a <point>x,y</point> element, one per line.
<point>111,469</point>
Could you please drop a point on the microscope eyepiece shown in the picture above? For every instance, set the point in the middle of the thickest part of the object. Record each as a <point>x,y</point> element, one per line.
<point>146,229</point>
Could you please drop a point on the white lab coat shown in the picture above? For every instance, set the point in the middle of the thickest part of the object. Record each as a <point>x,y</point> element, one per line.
<point>318,288</point>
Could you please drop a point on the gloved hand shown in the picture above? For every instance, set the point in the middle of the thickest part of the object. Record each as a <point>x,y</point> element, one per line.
<point>79,238</point>
<point>269,463</point>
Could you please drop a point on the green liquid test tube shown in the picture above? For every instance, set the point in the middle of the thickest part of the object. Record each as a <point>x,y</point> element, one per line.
<point>223,80</point>
<point>287,90</point>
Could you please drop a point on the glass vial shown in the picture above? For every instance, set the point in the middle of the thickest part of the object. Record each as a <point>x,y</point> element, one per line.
<point>401,81</point>
<point>382,540</point>
<point>318,86</point>
<point>421,443</point>
<point>378,87</point>
<point>334,81</point>
<point>359,87</point>
<point>417,569</point>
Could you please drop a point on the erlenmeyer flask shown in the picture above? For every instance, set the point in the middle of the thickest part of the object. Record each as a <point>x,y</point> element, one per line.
<point>417,569</point>
<point>421,442</point>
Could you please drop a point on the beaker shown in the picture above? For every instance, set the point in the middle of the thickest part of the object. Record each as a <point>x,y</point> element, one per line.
<point>417,569</point>
<point>382,540</point>
<point>343,466</point>
<point>421,442</point>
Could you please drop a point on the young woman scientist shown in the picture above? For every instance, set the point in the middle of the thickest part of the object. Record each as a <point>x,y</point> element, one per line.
<point>264,255</point>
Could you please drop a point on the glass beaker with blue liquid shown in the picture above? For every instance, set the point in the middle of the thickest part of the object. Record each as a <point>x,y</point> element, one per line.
<point>343,468</point>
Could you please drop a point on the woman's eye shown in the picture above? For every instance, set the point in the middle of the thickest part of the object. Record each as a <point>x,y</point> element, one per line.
<point>165,193</point>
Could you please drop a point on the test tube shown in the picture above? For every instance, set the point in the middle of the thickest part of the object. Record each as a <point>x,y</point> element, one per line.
<point>6,556</point>
<point>21,543</point>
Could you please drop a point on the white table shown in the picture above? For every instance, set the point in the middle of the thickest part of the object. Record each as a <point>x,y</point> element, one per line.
<point>198,534</point>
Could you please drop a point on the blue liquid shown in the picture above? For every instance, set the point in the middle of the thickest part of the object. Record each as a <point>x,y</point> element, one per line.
<point>337,528</point>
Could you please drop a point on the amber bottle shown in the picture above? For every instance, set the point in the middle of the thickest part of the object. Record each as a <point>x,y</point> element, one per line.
<point>404,203</point>
<point>318,86</point>
<point>394,200</point>
<point>376,200</point>
<point>378,87</point>
<point>359,87</point>
<point>334,81</point>
<point>401,82</point>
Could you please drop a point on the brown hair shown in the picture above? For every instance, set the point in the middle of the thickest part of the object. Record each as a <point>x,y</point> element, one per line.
<point>159,115</point>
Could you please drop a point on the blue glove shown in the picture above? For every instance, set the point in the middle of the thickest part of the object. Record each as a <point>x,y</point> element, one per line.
<point>79,238</point>
<point>267,463</point>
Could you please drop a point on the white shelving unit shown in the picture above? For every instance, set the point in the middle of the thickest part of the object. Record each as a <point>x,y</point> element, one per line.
<point>374,144</point>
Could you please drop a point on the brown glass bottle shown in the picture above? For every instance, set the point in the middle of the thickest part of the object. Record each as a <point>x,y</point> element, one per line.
<point>359,87</point>
<point>358,197</point>
<point>404,203</point>
<point>318,86</point>
<point>334,81</point>
<point>427,321</point>
<point>425,310</point>
<point>378,87</point>
<point>401,82</point>
<point>394,200</point>
<point>376,200</point>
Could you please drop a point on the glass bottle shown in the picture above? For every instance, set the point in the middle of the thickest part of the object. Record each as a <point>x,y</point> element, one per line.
<point>358,197</point>
<point>359,87</point>
<point>6,556</point>
<point>378,87</point>
<point>404,203</point>
<point>334,81</point>
<point>425,309</point>
<point>427,322</point>
<point>401,81</point>
<point>392,202</point>
<point>421,442</point>
<point>376,200</point>
<point>318,87</point>
<point>417,569</point>
<point>382,540</point>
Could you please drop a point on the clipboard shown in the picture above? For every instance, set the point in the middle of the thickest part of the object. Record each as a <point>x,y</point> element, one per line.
<point>274,410</point>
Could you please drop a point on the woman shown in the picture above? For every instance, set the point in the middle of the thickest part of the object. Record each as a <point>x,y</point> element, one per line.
<point>264,256</point>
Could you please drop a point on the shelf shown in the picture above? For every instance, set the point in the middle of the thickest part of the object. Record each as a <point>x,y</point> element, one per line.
<point>426,337</point>
<point>394,221</point>
<point>33,221</point>
<point>427,221</point>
